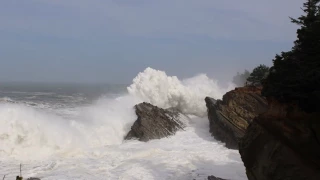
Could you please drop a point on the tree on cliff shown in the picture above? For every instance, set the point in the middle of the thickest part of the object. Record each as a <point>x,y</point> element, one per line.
<point>240,79</point>
<point>295,75</point>
<point>258,74</point>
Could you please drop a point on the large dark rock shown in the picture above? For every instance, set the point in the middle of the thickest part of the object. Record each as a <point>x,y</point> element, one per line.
<point>230,117</point>
<point>154,123</point>
<point>282,143</point>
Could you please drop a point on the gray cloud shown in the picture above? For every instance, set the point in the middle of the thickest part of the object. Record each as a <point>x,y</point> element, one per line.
<point>98,40</point>
<point>231,19</point>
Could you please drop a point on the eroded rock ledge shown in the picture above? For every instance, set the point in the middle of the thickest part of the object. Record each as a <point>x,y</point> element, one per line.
<point>155,123</point>
<point>230,117</point>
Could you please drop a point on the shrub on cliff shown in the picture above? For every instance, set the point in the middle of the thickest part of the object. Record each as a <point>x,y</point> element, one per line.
<point>258,74</point>
<point>240,79</point>
<point>295,75</point>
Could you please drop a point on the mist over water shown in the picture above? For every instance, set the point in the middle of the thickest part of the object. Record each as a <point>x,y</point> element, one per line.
<point>77,133</point>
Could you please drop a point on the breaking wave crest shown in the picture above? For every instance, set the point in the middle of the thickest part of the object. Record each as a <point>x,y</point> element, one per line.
<point>157,88</point>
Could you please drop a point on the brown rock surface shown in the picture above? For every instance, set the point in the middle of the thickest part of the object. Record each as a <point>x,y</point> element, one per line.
<point>282,143</point>
<point>230,117</point>
<point>154,123</point>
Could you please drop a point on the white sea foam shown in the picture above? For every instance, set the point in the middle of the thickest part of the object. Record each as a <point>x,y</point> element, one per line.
<point>24,129</point>
<point>188,95</point>
<point>89,145</point>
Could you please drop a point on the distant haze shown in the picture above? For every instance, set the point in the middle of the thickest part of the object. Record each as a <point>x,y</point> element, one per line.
<point>110,41</point>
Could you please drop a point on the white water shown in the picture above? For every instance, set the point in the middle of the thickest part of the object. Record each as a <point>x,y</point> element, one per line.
<point>157,88</point>
<point>90,144</point>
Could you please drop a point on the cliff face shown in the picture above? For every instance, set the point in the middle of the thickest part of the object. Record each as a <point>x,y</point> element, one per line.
<point>230,117</point>
<point>282,143</point>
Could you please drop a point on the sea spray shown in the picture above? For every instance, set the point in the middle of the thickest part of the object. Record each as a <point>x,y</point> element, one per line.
<point>157,88</point>
<point>88,143</point>
<point>24,130</point>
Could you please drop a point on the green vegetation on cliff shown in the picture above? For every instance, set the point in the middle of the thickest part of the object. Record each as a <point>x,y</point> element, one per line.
<point>295,75</point>
<point>258,74</point>
<point>254,78</point>
<point>241,78</point>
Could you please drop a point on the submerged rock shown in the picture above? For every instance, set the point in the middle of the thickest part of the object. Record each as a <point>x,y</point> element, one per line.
<point>230,117</point>
<point>214,178</point>
<point>154,122</point>
<point>282,143</point>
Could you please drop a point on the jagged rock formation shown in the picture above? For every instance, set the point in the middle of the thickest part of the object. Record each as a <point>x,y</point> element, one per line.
<point>282,143</point>
<point>214,178</point>
<point>230,117</point>
<point>154,123</point>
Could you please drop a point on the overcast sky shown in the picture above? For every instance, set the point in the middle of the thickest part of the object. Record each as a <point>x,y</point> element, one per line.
<point>112,40</point>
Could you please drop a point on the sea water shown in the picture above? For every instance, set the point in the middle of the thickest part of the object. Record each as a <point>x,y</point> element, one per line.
<point>76,131</point>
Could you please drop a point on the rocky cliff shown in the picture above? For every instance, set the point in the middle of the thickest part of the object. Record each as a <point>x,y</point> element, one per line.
<point>230,117</point>
<point>155,123</point>
<point>282,143</point>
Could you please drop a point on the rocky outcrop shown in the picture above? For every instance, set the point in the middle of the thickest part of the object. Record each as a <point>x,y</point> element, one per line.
<point>282,143</point>
<point>230,117</point>
<point>214,178</point>
<point>155,123</point>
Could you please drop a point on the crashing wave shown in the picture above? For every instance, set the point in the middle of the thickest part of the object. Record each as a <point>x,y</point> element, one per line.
<point>25,129</point>
<point>157,88</point>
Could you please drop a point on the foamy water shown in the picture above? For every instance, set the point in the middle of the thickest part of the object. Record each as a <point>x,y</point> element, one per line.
<point>188,95</point>
<point>77,141</point>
